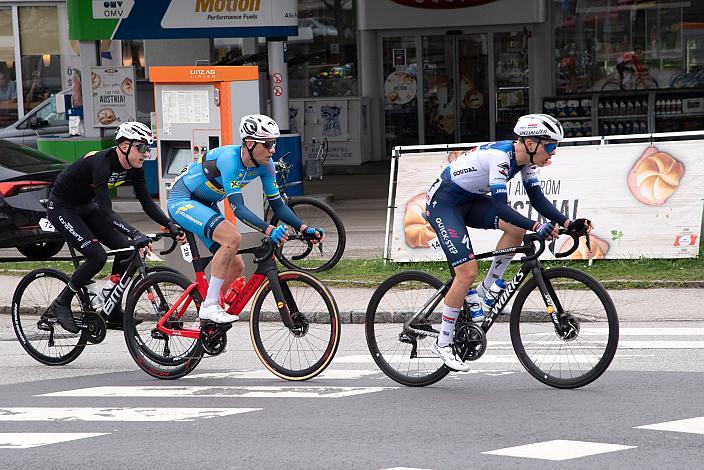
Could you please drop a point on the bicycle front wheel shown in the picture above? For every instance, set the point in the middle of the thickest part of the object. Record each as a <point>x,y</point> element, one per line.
<point>302,254</point>
<point>304,351</point>
<point>569,360</point>
<point>406,356</point>
<point>35,325</point>
<point>156,353</point>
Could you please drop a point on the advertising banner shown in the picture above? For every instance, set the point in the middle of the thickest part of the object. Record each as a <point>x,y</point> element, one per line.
<point>644,201</point>
<point>173,19</point>
<point>113,95</point>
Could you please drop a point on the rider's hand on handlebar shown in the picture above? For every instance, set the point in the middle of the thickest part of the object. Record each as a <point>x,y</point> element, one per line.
<point>546,230</point>
<point>175,230</point>
<point>579,226</point>
<point>315,235</point>
<point>140,240</point>
<point>278,234</point>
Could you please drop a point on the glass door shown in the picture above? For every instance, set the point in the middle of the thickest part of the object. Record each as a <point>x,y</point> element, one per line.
<point>455,88</point>
<point>511,72</point>
<point>400,92</point>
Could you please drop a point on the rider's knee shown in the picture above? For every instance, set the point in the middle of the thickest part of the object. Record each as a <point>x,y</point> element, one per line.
<point>466,273</point>
<point>96,253</point>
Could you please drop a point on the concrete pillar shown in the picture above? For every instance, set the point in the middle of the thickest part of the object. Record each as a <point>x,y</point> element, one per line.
<point>278,81</point>
<point>371,85</point>
<point>90,57</point>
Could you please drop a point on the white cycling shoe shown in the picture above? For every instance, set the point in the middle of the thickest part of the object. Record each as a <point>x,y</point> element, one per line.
<point>216,314</point>
<point>448,356</point>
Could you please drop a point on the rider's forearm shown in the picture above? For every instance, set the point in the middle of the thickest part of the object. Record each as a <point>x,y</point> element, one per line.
<point>244,214</point>
<point>285,214</point>
<point>499,202</point>
<point>543,206</point>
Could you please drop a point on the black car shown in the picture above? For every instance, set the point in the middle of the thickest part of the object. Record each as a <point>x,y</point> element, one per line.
<point>26,175</point>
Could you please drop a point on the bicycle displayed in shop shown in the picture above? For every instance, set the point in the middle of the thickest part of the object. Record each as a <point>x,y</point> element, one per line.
<point>299,252</point>
<point>37,327</point>
<point>563,324</point>
<point>294,321</point>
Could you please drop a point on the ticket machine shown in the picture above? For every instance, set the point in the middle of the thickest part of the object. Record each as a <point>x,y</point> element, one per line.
<point>199,108</point>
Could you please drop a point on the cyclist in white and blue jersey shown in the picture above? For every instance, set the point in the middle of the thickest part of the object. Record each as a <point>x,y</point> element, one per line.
<point>472,191</point>
<point>221,174</point>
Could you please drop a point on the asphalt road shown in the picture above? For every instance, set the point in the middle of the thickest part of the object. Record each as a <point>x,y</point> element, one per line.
<point>103,412</point>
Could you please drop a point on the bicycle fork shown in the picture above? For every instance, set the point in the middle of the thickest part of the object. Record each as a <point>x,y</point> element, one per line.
<point>285,303</point>
<point>565,327</point>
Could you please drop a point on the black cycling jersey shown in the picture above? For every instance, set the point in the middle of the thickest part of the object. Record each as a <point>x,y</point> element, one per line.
<point>91,178</point>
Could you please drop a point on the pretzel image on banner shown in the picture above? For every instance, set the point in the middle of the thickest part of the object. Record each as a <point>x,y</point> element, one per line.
<point>417,230</point>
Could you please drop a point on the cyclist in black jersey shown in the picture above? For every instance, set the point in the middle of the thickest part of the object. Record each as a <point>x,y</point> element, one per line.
<point>79,207</point>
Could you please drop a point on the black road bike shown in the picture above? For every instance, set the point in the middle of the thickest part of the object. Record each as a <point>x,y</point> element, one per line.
<point>37,327</point>
<point>563,323</point>
<point>299,252</point>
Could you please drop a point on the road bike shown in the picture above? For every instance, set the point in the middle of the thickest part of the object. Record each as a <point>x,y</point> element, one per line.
<point>563,323</point>
<point>294,321</point>
<point>299,252</point>
<point>37,327</point>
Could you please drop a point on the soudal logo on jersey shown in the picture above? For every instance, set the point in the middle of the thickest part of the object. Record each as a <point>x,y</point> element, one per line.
<point>442,4</point>
<point>462,171</point>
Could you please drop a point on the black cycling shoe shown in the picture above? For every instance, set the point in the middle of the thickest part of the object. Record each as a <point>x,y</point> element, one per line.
<point>63,313</point>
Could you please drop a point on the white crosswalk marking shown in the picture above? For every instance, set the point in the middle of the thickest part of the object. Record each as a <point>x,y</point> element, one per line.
<point>25,440</point>
<point>691,425</point>
<point>223,392</point>
<point>558,450</point>
<point>329,374</point>
<point>117,414</point>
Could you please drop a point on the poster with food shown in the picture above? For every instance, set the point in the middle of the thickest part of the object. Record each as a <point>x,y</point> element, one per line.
<point>400,88</point>
<point>113,95</point>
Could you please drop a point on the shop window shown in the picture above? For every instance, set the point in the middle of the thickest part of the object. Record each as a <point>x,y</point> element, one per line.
<point>8,84</point>
<point>133,56</point>
<point>40,52</point>
<point>604,45</point>
<point>322,59</point>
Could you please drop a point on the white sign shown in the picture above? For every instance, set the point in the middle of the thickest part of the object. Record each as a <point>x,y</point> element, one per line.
<point>184,107</point>
<point>113,95</point>
<point>111,10</point>
<point>644,201</point>
<point>230,13</point>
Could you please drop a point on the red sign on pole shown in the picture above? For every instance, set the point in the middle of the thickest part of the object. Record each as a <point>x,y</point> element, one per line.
<point>277,78</point>
<point>277,90</point>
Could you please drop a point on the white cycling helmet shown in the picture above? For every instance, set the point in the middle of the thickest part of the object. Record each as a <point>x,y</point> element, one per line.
<point>134,131</point>
<point>258,126</point>
<point>539,126</point>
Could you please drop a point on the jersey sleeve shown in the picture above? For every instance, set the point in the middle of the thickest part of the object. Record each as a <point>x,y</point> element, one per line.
<point>232,173</point>
<point>150,208</point>
<point>531,182</point>
<point>271,191</point>
<point>499,170</point>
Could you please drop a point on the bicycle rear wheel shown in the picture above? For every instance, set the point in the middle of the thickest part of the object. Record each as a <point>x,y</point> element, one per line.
<point>406,356</point>
<point>30,308</point>
<point>160,355</point>
<point>574,360</point>
<point>306,350</point>
<point>304,255</point>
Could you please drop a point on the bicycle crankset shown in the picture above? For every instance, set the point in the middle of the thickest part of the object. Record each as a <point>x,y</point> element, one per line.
<point>470,341</point>
<point>213,337</point>
<point>94,323</point>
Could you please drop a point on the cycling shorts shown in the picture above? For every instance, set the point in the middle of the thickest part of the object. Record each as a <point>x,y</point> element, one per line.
<point>197,217</point>
<point>450,219</point>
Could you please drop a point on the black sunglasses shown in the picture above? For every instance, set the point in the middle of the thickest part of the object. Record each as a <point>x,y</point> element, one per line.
<point>268,144</point>
<point>141,147</point>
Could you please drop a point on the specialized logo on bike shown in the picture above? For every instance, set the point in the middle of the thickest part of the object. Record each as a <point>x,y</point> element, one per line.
<point>505,296</point>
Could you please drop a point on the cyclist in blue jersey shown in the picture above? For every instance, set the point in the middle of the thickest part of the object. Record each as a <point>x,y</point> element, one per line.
<point>221,174</point>
<point>472,191</point>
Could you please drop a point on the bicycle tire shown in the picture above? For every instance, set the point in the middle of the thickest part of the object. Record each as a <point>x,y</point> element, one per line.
<point>612,84</point>
<point>570,287</point>
<point>388,304</point>
<point>135,279</point>
<point>30,296</point>
<point>323,327</point>
<point>151,354</point>
<point>301,254</point>
<point>647,83</point>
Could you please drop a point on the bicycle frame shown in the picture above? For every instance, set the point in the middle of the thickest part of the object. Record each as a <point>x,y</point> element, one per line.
<point>531,264</point>
<point>266,270</point>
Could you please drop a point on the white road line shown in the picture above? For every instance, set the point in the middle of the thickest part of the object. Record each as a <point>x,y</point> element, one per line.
<point>659,331</point>
<point>558,450</point>
<point>403,468</point>
<point>25,440</point>
<point>117,414</point>
<point>571,357</point>
<point>661,344</point>
<point>328,374</point>
<point>691,425</point>
<point>220,392</point>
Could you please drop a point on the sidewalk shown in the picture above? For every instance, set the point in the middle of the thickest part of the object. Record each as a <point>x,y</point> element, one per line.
<point>632,304</point>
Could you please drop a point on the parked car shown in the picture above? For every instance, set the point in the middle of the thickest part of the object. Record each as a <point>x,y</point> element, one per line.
<point>26,176</point>
<point>42,121</point>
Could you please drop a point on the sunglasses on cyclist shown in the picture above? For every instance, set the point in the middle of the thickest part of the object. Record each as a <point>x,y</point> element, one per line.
<point>268,144</point>
<point>141,146</point>
<point>550,148</point>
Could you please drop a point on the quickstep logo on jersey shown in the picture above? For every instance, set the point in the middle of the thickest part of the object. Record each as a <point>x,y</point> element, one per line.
<point>462,171</point>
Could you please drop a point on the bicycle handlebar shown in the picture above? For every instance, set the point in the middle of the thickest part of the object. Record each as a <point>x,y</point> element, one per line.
<point>531,238</point>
